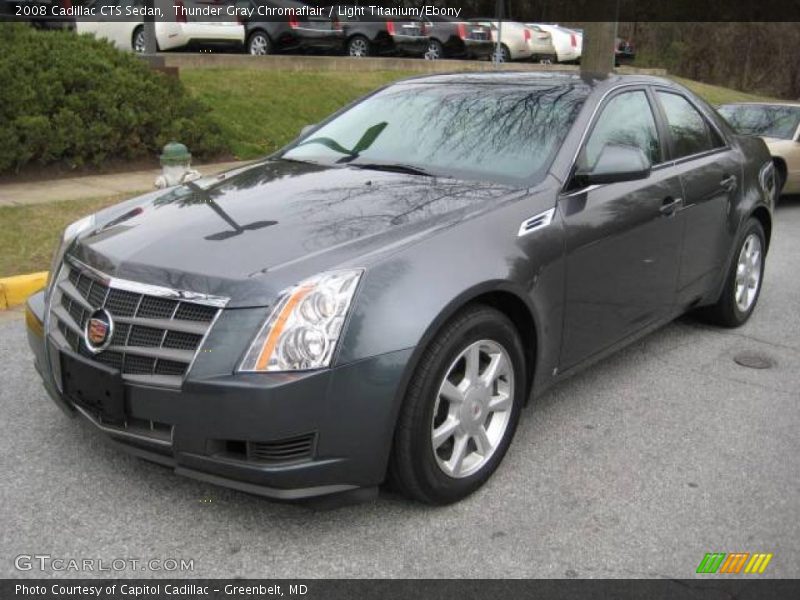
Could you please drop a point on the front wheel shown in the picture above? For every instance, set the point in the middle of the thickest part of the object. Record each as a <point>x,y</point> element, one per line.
<point>743,283</point>
<point>461,408</point>
<point>359,47</point>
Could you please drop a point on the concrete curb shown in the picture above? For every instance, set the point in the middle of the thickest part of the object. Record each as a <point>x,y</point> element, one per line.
<point>15,290</point>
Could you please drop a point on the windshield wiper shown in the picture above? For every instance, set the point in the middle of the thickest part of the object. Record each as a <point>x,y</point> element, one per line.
<point>394,168</point>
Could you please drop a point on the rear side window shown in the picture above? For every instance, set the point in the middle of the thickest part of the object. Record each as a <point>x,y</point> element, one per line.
<point>626,120</point>
<point>690,132</point>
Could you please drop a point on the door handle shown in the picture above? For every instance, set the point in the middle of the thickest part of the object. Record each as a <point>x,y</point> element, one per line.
<point>670,205</point>
<point>729,183</point>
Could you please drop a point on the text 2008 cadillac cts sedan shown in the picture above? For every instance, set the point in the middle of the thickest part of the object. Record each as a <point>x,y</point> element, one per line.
<point>380,299</point>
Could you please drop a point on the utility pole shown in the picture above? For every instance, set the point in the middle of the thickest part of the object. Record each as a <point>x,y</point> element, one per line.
<point>150,46</point>
<point>599,41</point>
<point>498,50</point>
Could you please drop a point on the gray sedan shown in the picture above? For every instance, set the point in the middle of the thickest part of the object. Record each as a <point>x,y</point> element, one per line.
<point>379,300</point>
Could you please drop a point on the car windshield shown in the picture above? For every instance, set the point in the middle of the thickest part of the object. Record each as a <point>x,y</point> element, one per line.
<point>761,119</point>
<point>507,133</point>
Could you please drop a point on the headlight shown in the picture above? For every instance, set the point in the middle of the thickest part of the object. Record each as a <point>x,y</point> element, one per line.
<point>72,231</point>
<point>302,330</point>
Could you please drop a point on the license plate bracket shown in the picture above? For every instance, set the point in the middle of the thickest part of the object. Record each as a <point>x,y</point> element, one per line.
<point>95,387</point>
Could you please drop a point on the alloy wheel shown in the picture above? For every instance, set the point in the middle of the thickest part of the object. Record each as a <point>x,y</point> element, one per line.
<point>358,48</point>
<point>473,409</point>
<point>434,51</point>
<point>748,273</point>
<point>259,45</point>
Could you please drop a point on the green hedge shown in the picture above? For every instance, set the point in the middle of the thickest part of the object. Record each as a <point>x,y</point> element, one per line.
<point>74,100</point>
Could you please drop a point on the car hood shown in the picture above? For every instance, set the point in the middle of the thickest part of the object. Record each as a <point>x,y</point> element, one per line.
<point>248,234</point>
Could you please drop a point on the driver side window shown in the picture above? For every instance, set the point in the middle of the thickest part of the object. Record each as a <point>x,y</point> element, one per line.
<point>626,120</point>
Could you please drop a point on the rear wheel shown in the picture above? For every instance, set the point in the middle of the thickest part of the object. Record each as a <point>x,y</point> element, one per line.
<point>461,408</point>
<point>435,50</point>
<point>359,47</point>
<point>259,44</point>
<point>503,55</point>
<point>743,284</point>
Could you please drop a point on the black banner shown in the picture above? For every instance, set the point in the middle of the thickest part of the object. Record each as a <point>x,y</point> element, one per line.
<point>546,11</point>
<point>741,588</point>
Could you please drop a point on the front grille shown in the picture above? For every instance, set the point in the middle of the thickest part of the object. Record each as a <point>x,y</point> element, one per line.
<point>154,337</point>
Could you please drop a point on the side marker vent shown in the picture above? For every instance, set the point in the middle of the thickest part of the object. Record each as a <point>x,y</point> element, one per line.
<point>536,222</point>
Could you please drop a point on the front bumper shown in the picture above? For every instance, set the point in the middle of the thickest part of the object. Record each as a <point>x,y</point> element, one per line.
<point>284,436</point>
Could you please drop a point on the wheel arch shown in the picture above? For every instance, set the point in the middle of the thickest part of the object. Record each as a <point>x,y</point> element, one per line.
<point>501,296</point>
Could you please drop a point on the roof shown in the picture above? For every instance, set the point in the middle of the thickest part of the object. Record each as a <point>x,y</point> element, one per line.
<point>535,78</point>
<point>783,103</point>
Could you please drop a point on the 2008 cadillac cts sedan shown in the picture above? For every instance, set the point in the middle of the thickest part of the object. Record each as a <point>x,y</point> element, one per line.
<point>378,300</point>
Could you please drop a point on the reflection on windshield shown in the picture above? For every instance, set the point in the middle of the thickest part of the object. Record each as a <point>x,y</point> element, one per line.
<point>505,132</point>
<point>768,121</point>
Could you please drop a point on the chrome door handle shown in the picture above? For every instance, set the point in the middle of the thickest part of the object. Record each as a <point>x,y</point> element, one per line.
<point>729,183</point>
<point>670,205</point>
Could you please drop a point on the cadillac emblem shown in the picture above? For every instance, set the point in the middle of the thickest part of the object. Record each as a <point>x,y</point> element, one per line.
<point>98,331</point>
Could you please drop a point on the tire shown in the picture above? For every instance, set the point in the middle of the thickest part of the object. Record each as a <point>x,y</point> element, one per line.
<point>359,47</point>
<point>435,50</point>
<point>504,55</point>
<point>425,466</point>
<point>730,310</point>
<point>259,44</point>
<point>137,41</point>
<point>780,179</point>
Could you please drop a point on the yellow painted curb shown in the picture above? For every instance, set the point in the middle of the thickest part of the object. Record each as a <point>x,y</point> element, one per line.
<point>15,290</point>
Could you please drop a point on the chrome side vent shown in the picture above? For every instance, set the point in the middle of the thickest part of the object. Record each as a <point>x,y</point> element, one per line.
<point>536,222</point>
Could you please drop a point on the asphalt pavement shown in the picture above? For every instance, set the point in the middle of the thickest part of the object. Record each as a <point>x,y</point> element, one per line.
<point>635,468</point>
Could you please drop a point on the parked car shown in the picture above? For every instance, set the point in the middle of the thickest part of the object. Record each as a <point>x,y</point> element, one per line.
<point>289,32</point>
<point>367,36</point>
<point>449,38</point>
<point>778,124</point>
<point>541,43</point>
<point>386,293</point>
<point>567,43</point>
<point>515,39</point>
<point>180,32</point>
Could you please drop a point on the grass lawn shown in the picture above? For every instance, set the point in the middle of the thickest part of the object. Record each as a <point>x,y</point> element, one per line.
<point>716,95</point>
<point>29,234</point>
<point>260,111</point>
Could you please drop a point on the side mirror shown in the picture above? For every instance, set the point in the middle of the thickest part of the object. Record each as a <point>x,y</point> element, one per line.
<point>616,163</point>
<point>306,129</point>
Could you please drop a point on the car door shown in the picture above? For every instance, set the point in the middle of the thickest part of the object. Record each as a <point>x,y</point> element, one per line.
<point>711,173</point>
<point>622,239</point>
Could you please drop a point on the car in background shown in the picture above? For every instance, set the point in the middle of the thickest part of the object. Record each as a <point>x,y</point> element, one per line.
<point>286,32</point>
<point>541,43</point>
<point>778,124</point>
<point>452,38</point>
<point>369,36</point>
<point>180,31</point>
<point>567,43</point>
<point>515,39</point>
